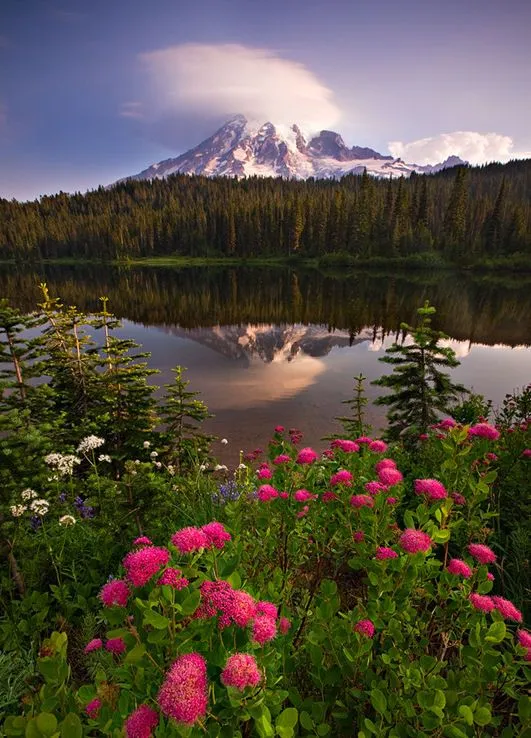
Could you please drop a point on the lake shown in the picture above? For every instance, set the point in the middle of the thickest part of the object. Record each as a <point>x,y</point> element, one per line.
<point>268,346</point>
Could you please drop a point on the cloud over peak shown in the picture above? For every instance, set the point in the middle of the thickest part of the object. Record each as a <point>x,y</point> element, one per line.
<point>223,79</point>
<point>474,147</point>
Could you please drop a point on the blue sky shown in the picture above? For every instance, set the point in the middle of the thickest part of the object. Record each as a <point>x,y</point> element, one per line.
<point>93,90</point>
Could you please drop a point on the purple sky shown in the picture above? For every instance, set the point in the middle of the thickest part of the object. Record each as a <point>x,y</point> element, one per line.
<point>93,90</point>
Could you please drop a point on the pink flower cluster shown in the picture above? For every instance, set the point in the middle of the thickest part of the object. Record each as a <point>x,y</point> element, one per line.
<point>307,456</point>
<point>342,476</point>
<point>93,708</point>
<point>241,671</point>
<point>365,627</point>
<point>173,578</point>
<point>141,565</point>
<point>264,472</point>
<point>142,541</point>
<point>190,539</point>
<point>266,493</point>
<point>358,501</point>
<point>115,645</point>
<point>302,495</point>
<point>378,447</point>
<point>390,476</point>
<point>348,447</point>
<point>183,695</point>
<point>94,645</point>
<point>115,593</point>
<point>482,553</point>
<point>484,430</point>
<point>414,541</point>
<point>141,722</point>
<point>281,459</point>
<point>383,552</point>
<point>430,488</point>
<point>487,604</point>
<point>374,487</point>
<point>459,568</point>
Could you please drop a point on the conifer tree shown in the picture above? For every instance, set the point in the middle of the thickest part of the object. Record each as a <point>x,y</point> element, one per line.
<point>420,390</point>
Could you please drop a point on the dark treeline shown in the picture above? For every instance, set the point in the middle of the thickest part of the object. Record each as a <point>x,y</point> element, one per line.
<point>465,215</point>
<point>478,309</point>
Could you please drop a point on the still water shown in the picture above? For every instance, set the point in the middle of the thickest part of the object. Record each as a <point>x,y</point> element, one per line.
<point>281,346</point>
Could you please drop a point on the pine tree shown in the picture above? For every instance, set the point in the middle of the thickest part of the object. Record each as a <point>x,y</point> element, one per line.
<point>420,390</point>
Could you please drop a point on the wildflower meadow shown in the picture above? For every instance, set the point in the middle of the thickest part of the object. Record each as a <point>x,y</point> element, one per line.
<point>375,586</point>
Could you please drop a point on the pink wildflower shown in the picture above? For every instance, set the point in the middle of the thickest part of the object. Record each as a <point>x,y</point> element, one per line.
<point>458,498</point>
<point>383,552</point>
<point>214,596</point>
<point>302,495</point>
<point>216,534</point>
<point>328,453</point>
<point>302,513</point>
<point>431,488</point>
<point>359,536</point>
<point>266,493</point>
<point>447,423</point>
<point>390,476</point>
<point>242,608</point>
<point>141,722</point>
<point>364,439</point>
<point>115,593</point>
<point>172,578</point>
<point>414,541</point>
<point>264,629</point>
<point>378,447</point>
<point>94,645</point>
<point>484,430</point>
<point>142,541</point>
<point>481,602</point>
<point>115,645</point>
<point>391,500</point>
<point>279,429</point>
<point>492,457</point>
<point>347,446</point>
<point>524,638</point>
<point>241,671</point>
<point>482,553</point>
<point>307,456</point>
<point>282,459</point>
<point>93,709</point>
<point>374,487</point>
<point>183,695</point>
<point>329,497</point>
<point>264,473</point>
<point>267,608</point>
<point>190,539</point>
<point>284,625</point>
<point>341,477</point>
<point>459,568</point>
<point>506,609</point>
<point>526,453</point>
<point>423,437</point>
<point>384,464</point>
<point>361,501</point>
<point>284,495</point>
<point>141,565</point>
<point>527,655</point>
<point>365,627</point>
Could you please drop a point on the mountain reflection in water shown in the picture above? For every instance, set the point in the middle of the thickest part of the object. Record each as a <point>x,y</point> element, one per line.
<point>287,343</point>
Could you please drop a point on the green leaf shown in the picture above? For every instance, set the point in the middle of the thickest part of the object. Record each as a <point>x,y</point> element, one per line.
<point>71,726</point>
<point>322,729</point>
<point>451,731</point>
<point>441,536</point>
<point>467,714</point>
<point>135,654</point>
<point>191,603</point>
<point>14,725</point>
<point>524,708</point>
<point>378,701</point>
<point>288,718</point>
<point>496,633</point>
<point>46,723</point>
<point>482,716</point>
<point>156,620</point>
<point>371,727</point>
<point>306,721</point>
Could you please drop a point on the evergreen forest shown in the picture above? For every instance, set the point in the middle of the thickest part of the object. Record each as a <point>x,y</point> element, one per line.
<point>469,216</point>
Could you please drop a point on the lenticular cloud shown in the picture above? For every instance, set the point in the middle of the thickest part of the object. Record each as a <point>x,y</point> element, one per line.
<point>223,79</point>
<point>473,147</point>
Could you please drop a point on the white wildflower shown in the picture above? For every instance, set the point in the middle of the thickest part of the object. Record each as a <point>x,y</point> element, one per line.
<point>63,462</point>
<point>221,467</point>
<point>105,457</point>
<point>158,464</point>
<point>40,507</point>
<point>242,466</point>
<point>28,494</point>
<point>147,444</point>
<point>171,470</point>
<point>89,444</point>
<point>203,467</point>
<point>67,520</point>
<point>153,455</point>
<point>224,441</point>
<point>18,510</point>
<point>137,461</point>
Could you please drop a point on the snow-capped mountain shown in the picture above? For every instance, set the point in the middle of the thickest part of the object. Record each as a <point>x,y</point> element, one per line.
<point>243,148</point>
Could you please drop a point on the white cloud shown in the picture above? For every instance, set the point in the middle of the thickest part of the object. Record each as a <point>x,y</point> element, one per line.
<point>474,147</point>
<point>226,79</point>
<point>133,109</point>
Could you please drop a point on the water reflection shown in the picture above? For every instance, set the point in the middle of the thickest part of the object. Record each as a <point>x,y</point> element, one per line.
<point>287,344</point>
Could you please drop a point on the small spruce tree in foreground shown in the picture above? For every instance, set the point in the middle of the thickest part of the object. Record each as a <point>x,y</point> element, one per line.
<point>420,390</point>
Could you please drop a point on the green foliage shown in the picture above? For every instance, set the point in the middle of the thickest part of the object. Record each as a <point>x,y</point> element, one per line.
<point>354,424</point>
<point>420,389</point>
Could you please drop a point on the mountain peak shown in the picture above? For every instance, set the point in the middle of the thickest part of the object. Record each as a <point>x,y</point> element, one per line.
<point>242,147</point>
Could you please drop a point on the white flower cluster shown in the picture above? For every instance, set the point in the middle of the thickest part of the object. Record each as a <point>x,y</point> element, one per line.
<point>105,457</point>
<point>67,520</point>
<point>18,510</point>
<point>220,467</point>
<point>146,444</point>
<point>171,470</point>
<point>153,455</point>
<point>40,507</point>
<point>28,494</point>
<point>224,441</point>
<point>64,463</point>
<point>89,444</point>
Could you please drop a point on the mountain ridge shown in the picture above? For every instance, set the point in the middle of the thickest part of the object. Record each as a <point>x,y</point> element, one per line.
<point>242,148</point>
